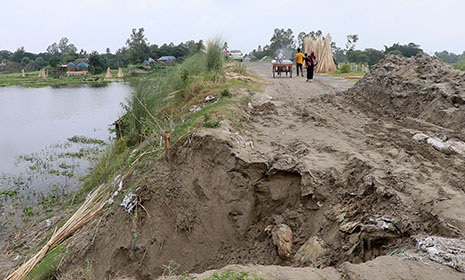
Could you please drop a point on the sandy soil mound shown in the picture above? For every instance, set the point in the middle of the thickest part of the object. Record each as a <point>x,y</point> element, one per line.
<point>420,87</point>
<point>311,179</point>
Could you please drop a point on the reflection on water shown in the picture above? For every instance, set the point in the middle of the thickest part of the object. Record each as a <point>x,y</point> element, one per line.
<point>37,161</point>
<point>32,119</point>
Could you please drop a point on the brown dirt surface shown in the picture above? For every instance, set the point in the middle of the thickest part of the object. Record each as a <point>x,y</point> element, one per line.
<point>333,161</point>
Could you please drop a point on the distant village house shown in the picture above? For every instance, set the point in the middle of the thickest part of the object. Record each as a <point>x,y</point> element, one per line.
<point>79,67</point>
<point>168,60</point>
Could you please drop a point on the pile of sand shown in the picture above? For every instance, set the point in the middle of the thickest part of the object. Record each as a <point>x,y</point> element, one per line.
<point>421,87</point>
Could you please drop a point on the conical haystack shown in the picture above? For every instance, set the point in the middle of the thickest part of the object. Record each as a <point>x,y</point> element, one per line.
<point>43,74</point>
<point>120,73</point>
<point>108,75</point>
<point>323,53</point>
<point>23,74</point>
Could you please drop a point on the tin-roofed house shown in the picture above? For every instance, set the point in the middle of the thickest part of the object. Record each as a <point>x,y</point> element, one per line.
<point>168,60</point>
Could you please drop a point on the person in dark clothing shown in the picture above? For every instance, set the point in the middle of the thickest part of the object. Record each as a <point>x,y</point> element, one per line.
<point>310,62</point>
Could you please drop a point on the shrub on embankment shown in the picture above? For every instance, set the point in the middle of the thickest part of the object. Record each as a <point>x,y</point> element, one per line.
<point>144,113</point>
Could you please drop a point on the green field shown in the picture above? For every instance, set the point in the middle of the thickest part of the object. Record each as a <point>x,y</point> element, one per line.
<point>32,79</point>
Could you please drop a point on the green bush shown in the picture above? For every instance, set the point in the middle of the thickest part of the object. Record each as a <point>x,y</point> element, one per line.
<point>460,66</point>
<point>345,68</point>
<point>225,93</point>
<point>208,122</point>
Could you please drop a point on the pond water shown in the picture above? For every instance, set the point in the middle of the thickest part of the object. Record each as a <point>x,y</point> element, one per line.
<point>50,137</point>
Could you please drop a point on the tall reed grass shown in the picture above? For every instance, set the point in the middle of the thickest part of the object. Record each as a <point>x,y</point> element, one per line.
<point>142,116</point>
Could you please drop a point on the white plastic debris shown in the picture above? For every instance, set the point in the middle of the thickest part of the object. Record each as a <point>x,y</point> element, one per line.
<point>440,145</point>
<point>210,99</point>
<point>129,202</point>
<point>194,108</point>
<point>116,182</point>
<point>48,222</point>
<point>457,146</point>
<point>420,137</point>
<point>447,251</point>
<point>17,258</point>
<point>249,105</point>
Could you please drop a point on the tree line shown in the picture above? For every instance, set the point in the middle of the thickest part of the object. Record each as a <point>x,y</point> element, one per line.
<point>135,51</point>
<point>282,38</point>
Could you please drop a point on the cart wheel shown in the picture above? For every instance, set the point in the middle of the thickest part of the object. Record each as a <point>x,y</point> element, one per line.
<point>290,73</point>
<point>272,70</point>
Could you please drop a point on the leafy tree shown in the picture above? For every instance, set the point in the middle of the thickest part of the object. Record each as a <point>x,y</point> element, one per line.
<point>65,47</point>
<point>300,39</point>
<point>199,46</point>
<point>448,57</point>
<point>312,34</point>
<point>4,54</point>
<point>70,58</point>
<point>260,52</point>
<point>409,50</point>
<point>191,46</point>
<point>351,41</point>
<point>97,63</point>
<point>357,56</point>
<point>350,44</point>
<point>120,58</point>
<point>17,55</point>
<point>53,49</point>
<point>282,39</point>
<point>339,55</point>
<point>374,56</point>
<point>25,61</point>
<point>39,63</point>
<point>137,46</point>
<point>54,61</point>
<point>83,53</point>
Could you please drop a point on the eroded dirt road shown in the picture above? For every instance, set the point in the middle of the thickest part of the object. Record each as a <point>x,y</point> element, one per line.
<point>361,168</point>
<point>349,181</point>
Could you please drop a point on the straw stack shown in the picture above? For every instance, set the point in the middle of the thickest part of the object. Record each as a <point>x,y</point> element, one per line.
<point>120,73</point>
<point>108,75</point>
<point>323,53</point>
<point>88,211</point>
<point>43,74</point>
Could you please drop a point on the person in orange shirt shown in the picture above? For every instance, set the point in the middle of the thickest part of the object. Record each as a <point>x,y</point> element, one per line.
<point>299,59</point>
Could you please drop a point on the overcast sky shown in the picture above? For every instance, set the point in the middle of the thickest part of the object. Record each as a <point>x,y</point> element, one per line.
<point>98,24</point>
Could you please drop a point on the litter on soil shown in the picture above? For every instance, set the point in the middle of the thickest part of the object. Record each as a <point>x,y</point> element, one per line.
<point>335,177</point>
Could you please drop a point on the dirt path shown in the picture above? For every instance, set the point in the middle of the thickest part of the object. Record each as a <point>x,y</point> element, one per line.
<point>349,181</point>
<point>335,132</point>
<point>359,166</point>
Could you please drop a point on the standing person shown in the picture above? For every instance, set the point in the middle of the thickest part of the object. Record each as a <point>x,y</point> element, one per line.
<point>311,62</point>
<point>299,59</point>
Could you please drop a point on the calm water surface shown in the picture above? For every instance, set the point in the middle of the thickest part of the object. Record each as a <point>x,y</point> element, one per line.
<point>32,119</point>
<point>37,161</point>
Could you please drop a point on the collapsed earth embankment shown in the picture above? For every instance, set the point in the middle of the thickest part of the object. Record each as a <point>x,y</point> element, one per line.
<point>304,175</point>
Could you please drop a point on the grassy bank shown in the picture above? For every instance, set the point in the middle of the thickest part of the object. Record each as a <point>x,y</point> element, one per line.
<point>33,81</point>
<point>179,100</point>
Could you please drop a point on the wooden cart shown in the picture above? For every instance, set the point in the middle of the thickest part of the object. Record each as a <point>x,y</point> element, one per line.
<point>284,66</point>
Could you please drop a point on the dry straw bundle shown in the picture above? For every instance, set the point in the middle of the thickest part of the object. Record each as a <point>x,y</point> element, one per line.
<point>88,210</point>
<point>322,49</point>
